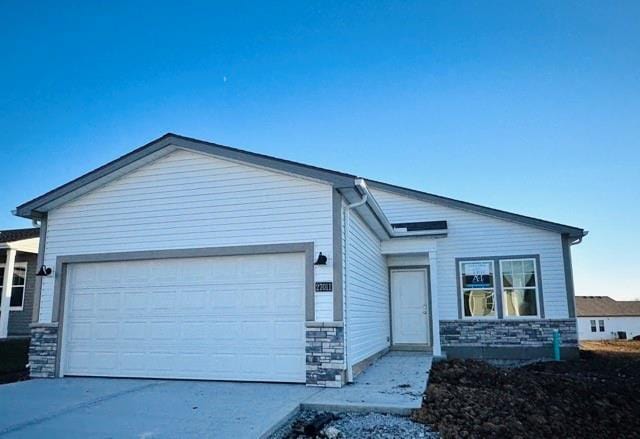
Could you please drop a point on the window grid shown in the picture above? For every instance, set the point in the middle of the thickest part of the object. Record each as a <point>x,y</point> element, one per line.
<point>524,270</point>
<point>533,288</point>
<point>18,287</point>
<point>471,294</point>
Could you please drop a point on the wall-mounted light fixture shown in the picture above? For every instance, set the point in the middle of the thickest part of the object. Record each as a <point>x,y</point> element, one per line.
<point>44,271</point>
<point>322,259</point>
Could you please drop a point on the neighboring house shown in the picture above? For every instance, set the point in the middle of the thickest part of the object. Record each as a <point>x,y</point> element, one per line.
<point>188,259</point>
<point>603,318</point>
<point>18,249</point>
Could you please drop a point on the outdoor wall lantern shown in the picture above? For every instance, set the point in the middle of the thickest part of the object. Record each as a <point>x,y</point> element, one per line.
<point>322,259</point>
<point>44,271</point>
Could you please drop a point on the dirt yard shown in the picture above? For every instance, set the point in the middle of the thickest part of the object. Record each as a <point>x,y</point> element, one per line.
<point>595,396</point>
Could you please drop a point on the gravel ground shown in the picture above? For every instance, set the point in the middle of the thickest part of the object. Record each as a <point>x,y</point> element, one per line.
<point>357,426</point>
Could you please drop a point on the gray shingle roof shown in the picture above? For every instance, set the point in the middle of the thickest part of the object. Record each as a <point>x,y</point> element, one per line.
<point>594,306</point>
<point>18,234</point>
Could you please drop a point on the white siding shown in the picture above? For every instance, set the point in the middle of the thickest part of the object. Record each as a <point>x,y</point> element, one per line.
<point>631,325</point>
<point>190,200</point>
<point>324,306</point>
<point>471,235</point>
<point>367,293</point>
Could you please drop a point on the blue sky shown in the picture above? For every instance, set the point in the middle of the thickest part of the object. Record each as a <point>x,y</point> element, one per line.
<point>533,109</point>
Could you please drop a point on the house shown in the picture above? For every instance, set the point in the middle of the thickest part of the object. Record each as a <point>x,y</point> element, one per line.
<point>187,259</point>
<point>18,262</point>
<point>604,318</point>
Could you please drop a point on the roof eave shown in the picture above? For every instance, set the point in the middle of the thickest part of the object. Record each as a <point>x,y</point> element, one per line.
<point>572,232</point>
<point>37,207</point>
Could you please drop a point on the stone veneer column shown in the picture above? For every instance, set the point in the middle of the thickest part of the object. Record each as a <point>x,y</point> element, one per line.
<point>43,350</point>
<point>325,354</point>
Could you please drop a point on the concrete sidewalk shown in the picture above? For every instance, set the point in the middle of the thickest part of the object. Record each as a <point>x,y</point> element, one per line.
<point>114,407</point>
<point>96,407</point>
<point>393,384</point>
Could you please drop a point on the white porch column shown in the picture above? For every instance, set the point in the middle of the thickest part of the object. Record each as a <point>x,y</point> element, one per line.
<point>435,314</point>
<point>7,284</point>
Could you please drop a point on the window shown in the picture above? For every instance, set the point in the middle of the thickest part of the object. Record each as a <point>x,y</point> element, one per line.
<point>601,325</point>
<point>19,282</point>
<point>519,287</point>
<point>478,289</point>
<point>593,326</point>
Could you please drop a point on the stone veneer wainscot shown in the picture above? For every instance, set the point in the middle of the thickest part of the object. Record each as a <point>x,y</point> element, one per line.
<point>488,338</point>
<point>43,350</point>
<point>325,354</point>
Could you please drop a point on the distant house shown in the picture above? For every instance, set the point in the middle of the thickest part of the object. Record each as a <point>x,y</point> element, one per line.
<point>18,248</point>
<point>604,318</point>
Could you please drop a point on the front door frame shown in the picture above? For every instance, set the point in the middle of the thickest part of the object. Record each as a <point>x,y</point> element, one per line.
<point>429,315</point>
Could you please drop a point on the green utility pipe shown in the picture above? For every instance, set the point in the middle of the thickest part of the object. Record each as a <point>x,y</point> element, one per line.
<point>556,345</point>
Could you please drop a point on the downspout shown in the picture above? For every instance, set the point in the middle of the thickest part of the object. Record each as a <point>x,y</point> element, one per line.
<point>347,222</point>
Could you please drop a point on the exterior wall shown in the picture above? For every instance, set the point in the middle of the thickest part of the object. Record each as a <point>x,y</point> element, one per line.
<point>19,321</point>
<point>474,235</point>
<point>324,306</point>
<point>192,200</point>
<point>631,325</point>
<point>325,354</point>
<point>367,292</point>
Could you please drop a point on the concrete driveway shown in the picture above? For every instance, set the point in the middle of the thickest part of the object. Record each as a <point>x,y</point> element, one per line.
<point>123,408</point>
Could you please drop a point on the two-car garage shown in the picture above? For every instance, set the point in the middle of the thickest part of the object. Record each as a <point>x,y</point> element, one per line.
<point>236,317</point>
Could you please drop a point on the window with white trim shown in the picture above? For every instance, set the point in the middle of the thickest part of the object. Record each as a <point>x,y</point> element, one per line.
<point>19,283</point>
<point>519,287</point>
<point>478,289</point>
<point>601,325</point>
<point>593,325</point>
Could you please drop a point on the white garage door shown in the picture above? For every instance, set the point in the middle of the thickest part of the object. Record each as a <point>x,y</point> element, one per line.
<point>219,318</point>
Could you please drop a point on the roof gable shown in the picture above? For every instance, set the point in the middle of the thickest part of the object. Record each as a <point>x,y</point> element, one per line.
<point>37,207</point>
<point>158,148</point>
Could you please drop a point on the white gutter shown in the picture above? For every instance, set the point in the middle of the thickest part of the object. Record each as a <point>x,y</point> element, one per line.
<point>382,218</point>
<point>579,240</point>
<point>377,211</point>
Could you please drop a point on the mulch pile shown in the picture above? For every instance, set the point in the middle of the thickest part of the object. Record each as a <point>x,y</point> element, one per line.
<point>594,397</point>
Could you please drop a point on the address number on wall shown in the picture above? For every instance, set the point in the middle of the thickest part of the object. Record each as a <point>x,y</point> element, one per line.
<point>324,286</point>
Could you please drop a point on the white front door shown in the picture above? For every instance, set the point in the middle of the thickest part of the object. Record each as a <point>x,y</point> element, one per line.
<point>218,318</point>
<point>410,312</point>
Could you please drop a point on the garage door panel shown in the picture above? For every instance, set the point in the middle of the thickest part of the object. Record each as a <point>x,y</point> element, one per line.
<point>193,298</point>
<point>105,331</point>
<point>106,302</point>
<point>286,297</point>
<point>135,301</point>
<point>79,331</point>
<point>228,318</point>
<point>163,299</point>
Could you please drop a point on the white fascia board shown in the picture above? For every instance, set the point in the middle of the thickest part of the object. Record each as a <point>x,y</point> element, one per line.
<point>24,245</point>
<point>399,246</point>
